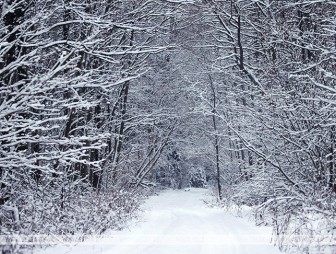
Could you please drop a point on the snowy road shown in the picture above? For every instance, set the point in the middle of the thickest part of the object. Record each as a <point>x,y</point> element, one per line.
<point>178,222</point>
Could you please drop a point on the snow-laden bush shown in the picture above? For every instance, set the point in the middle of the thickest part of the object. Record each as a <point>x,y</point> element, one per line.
<point>302,223</point>
<point>69,216</point>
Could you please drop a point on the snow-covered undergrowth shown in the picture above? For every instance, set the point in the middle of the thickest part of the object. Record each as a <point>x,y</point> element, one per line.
<point>46,218</point>
<point>178,222</point>
<point>300,224</point>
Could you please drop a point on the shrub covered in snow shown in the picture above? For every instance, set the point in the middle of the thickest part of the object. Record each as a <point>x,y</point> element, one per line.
<point>69,215</point>
<point>302,222</point>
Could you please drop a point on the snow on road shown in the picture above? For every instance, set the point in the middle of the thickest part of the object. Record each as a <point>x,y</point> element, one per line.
<point>178,222</point>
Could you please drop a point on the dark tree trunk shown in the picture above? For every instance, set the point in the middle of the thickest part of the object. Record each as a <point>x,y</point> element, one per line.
<point>11,20</point>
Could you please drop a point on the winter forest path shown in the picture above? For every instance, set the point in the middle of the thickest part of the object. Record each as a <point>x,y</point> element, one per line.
<point>178,222</point>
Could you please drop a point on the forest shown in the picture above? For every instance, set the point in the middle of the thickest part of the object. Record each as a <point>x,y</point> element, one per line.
<point>102,101</point>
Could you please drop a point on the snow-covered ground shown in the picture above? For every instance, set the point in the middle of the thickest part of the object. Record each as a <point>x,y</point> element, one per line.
<point>178,222</point>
